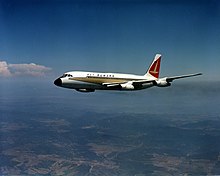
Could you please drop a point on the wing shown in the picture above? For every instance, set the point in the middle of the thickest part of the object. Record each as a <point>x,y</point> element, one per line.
<point>113,84</point>
<point>125,82</point>
<point>130,85</point>
<point>137,84</point>
<point>170,79</point>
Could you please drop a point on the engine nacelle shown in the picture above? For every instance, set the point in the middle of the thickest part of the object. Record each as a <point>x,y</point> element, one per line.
<point>127,86</point>
<point>85,90</point>
<point>163,83</point>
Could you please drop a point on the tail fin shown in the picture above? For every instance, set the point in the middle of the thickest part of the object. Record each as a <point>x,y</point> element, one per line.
<point>154,69</point>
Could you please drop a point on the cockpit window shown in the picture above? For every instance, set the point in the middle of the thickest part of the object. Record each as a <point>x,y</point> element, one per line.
<point>63,76</point>
<point>66,75</point>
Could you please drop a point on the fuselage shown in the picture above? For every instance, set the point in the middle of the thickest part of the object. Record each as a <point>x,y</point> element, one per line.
<point>89,81</point>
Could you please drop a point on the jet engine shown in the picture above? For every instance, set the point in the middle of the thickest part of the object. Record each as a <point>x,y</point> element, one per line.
<point>85,90</point>
<point>127,86</point>
<point>163,83</point>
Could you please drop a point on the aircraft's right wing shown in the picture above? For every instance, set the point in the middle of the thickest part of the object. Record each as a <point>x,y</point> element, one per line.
<point>170,79</point>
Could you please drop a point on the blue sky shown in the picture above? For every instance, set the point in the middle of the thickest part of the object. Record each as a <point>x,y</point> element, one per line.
<point>116,36</point>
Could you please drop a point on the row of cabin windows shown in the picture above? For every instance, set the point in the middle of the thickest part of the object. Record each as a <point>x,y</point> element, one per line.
<point>89,74</point>
<point>100,75</point>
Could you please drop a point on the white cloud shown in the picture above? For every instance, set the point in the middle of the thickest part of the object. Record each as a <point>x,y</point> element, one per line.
<point>4,71</point>
<point>8,70</point>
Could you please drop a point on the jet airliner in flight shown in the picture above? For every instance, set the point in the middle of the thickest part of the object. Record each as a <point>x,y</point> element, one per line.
<point>90,81</point>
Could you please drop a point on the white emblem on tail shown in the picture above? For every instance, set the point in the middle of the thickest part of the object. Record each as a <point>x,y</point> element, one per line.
<point>155,69</point>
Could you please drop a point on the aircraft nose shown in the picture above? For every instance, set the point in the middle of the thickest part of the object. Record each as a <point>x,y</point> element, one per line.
<point>58,82</point>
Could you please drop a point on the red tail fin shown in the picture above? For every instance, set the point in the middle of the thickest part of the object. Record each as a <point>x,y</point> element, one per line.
<point>154,69</point>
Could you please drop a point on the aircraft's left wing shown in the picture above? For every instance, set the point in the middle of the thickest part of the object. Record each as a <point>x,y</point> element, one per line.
<point>136,82</point>
<point>112,84</point>
<point>129,84</point>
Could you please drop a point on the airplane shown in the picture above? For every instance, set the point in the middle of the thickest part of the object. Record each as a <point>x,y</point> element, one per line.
<point>90,81</point>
